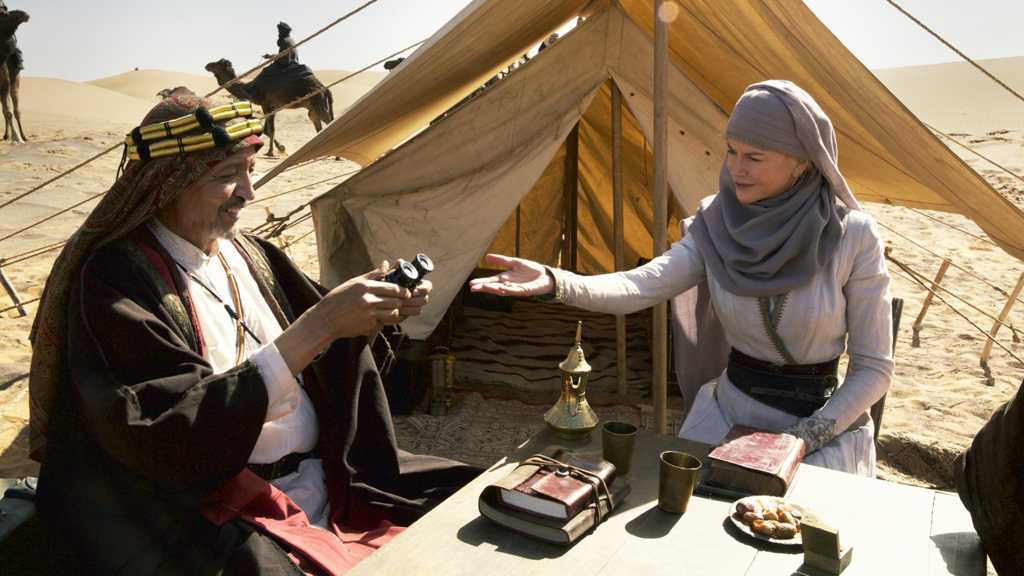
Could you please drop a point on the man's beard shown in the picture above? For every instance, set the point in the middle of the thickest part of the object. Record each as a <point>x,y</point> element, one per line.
<point>219,231</point>
<point>229,233</point>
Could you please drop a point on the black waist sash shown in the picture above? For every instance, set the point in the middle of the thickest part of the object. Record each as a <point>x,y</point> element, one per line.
<point>283,467</point>
<point>797,389</point>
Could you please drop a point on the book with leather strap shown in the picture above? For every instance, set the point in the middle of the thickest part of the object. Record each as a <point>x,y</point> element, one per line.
<point>541,500</point>
<point>756,461</point>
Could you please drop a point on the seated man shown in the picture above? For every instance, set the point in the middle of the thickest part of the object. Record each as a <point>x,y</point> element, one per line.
<point>990,482</point>
<point>199,405</point>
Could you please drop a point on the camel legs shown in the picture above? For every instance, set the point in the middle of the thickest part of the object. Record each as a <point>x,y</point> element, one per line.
<point>319,112</point>
<point>15,87</point>
<point>10,86</point>
<point>268,130</point>
<point>5,88</point>
<point>315,119</point>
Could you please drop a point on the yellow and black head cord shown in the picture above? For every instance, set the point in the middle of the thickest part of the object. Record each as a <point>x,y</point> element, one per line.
<point>159,140</point>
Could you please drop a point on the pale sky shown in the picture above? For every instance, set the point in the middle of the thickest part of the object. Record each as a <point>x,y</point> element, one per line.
<point>80,40</point>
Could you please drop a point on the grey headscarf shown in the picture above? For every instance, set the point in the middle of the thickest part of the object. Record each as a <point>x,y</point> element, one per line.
<point>770,247</point>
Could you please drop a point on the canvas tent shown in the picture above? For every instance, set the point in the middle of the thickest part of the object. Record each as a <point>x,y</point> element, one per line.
<point>462,186</point>
<point>452,205</point>
<point>449,191</point>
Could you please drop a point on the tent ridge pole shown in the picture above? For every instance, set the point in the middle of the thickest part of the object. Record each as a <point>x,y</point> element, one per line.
<point>659,221</point>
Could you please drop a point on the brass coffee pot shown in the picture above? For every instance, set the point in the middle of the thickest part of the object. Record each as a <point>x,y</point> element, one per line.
<point>571,417</point>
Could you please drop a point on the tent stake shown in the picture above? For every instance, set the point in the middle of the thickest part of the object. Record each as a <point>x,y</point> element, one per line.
<point>660,218</point>
<point>12,292</point>
<point>620,320</point>
<point>928,299</point>
<point>1002,316</point>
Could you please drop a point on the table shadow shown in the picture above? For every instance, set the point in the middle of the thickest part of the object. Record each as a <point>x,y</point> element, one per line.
<point>961,551</point>
<point>652,524</point>
<point>481,531</point>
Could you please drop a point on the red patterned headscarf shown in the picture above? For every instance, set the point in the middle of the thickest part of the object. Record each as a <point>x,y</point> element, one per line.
<point>138,194</point>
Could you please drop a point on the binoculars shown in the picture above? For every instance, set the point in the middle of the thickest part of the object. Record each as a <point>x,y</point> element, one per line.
<point>410,274</point>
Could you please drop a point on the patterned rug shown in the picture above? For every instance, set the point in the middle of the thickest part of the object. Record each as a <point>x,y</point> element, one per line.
<point>479,430</point>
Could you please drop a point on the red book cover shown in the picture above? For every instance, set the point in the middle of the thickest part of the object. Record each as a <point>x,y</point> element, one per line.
<point>758,450</point>
<point>548,494</point>
<point>756,461</point>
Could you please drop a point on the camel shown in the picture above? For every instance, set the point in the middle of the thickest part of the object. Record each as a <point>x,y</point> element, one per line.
<point>10,73</point>
<point>171,93</point>
<point>320,107</point>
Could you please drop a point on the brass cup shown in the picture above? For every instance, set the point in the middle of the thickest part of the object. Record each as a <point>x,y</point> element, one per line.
<point>676,479</point>
<point>617,440</point>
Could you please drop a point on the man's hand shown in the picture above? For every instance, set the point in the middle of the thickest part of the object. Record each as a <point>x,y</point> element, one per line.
<point>362,305</point>
<point>414,305</point>
<point>359,307</point>
<point>523,278</point>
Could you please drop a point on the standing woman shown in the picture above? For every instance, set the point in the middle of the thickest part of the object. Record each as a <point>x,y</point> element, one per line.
<point>797,276</point>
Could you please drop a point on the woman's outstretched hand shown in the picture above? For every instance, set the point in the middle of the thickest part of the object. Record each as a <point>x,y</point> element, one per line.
<point>523,278</point>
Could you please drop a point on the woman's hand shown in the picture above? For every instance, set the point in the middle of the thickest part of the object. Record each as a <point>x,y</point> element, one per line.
<point>523,278</point>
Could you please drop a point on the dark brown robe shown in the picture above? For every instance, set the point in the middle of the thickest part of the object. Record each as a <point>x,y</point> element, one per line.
<point>990,480</point>
<point>282,71</point>
<point>145,432</point>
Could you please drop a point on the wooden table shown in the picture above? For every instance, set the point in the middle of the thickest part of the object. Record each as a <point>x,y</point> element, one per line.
<point>894,529</point>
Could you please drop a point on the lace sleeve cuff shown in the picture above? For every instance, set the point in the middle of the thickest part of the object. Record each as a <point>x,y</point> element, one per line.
<point>816,432</point>
<point>561,294</point>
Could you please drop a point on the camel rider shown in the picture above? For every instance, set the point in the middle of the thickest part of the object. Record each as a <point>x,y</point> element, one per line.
<point>282,71</point>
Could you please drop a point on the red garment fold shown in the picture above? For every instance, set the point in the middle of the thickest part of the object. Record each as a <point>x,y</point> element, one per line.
<point>315,550</point>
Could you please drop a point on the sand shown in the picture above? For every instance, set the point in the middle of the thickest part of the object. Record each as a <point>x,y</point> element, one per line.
<point>941,395</point>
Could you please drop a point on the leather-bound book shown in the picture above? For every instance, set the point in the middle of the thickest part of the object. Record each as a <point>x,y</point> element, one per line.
<point>551,492</point>
<point>756,461</point>
<point>563,532</point>
<point>535,501</point>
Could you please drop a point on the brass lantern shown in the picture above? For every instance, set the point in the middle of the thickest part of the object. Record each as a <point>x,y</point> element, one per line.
<point>571,417</point>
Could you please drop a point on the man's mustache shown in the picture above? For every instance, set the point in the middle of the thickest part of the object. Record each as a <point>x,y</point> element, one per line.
<point>232,204</point>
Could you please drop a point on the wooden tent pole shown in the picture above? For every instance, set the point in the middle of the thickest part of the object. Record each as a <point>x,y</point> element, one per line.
<point>1002,316</point>
<point>12,292</point>
<point>660,219</point>
<point>928,299</point>
<point>620,320</point>
<point>519,213</point>
<point>571,195</point>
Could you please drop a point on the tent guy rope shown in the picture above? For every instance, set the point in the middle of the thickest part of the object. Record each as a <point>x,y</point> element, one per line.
<point>960,268</point>
<point>959,53</point>
<point>914,277</point>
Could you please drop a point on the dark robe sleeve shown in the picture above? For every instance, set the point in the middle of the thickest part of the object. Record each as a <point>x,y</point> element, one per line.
<point>989,477</point>
<point>369,477</point>
<point>151,402</point>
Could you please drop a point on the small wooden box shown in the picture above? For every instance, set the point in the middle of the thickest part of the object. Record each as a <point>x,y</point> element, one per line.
<point>822,548</point>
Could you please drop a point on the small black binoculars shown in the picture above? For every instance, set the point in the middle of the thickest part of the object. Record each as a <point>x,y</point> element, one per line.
<point>410,274</point>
